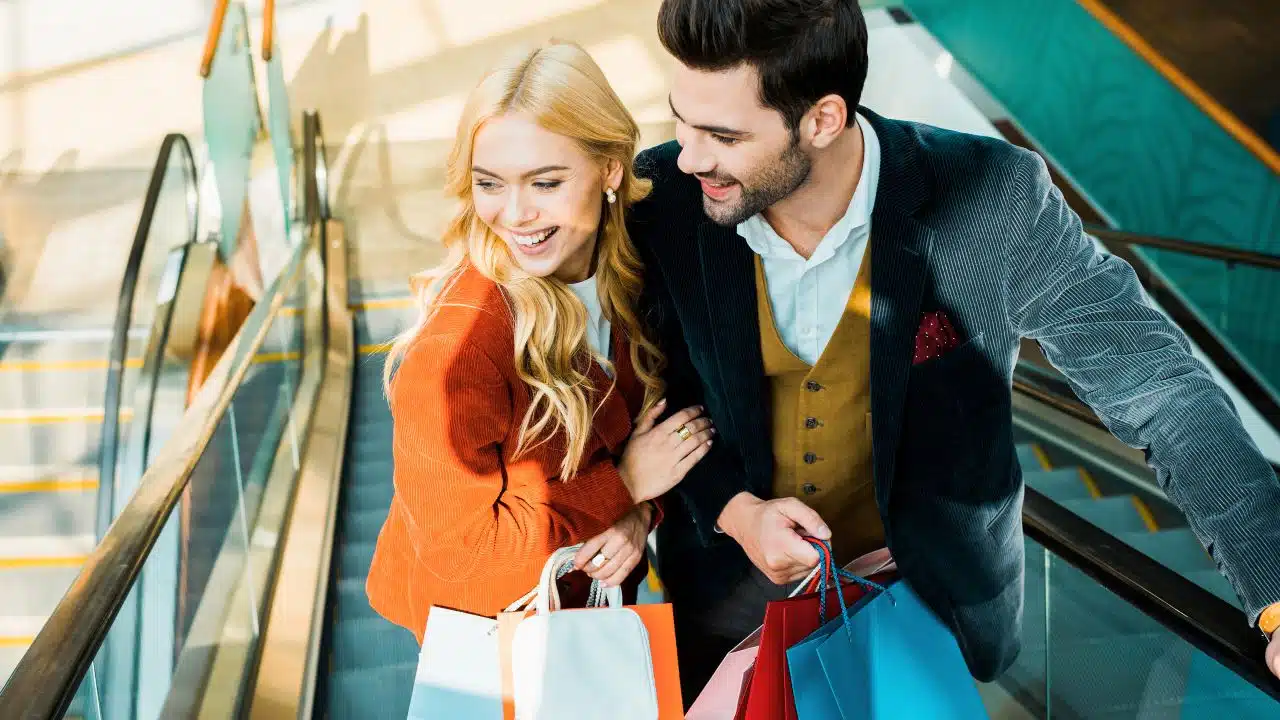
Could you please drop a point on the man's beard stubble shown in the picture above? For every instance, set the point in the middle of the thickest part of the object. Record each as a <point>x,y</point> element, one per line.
<point>775,181</point>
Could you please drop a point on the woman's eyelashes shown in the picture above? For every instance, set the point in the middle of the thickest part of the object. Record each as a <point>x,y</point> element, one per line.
<point>490,186</point>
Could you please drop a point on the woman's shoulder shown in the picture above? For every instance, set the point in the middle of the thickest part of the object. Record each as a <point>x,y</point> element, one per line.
<point>470,322</point>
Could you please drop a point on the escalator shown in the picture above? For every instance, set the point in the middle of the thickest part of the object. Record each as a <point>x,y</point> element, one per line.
<point>279,478</point>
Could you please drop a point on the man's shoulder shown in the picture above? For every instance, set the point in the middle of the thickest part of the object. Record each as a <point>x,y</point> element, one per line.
<point>673,195</point>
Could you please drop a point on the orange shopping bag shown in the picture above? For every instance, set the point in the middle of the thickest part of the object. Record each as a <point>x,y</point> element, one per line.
<point>659,632</point>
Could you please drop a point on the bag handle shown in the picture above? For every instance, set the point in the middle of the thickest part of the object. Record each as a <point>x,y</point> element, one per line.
<point>827,568</point>
<point>546,596</point>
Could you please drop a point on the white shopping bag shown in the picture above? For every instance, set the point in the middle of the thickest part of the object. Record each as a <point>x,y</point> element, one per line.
<point>458,671</point>
<point>587,664</point>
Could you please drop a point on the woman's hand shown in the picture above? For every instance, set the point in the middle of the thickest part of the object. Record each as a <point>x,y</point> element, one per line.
<point>611,556</point>
<point>657,457</point>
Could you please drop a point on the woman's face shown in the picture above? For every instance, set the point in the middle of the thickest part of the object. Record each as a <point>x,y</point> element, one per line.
<point>541,193</point>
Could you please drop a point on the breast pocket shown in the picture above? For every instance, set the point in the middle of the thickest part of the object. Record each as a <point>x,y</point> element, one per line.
<point>955,427</point>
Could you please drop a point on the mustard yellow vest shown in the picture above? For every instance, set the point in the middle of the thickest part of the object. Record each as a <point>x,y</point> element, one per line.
<point>822,421</point>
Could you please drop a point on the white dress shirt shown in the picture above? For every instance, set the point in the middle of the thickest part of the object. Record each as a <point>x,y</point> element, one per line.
<point>599,336</point>
<point>808,297</point>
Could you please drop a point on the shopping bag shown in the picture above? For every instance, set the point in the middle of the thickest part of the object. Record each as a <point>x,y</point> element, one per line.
<point>723,693</point>
<point>607,662</point>
<point>889,658</point>
<point>457,672</point>
<point>786,623</point>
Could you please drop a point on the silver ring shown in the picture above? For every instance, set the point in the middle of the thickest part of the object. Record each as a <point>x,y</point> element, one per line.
<point>599,560</point>
<point>684,432</point>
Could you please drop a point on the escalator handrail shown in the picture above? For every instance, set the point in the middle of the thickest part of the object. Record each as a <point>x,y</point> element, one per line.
<point>49,674</point>
<point>1196,615</point>
<point>109,444</point>
<point>1229,255</point>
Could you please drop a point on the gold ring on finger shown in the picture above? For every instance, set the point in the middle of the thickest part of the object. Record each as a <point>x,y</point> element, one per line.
<point>684,432</point>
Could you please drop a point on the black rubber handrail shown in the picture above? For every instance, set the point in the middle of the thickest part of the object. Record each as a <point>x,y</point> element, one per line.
<point>118,353</point>
<point>1196,615</point>
<point>1229,255</point>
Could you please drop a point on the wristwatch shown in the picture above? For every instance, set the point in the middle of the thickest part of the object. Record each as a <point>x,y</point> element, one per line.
<point>1269,620</point>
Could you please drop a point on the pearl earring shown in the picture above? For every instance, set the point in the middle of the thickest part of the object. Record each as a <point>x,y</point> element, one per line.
<point>610,195</point>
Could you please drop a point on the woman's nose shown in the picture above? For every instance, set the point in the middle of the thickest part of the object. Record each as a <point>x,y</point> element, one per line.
<point>518,211</point>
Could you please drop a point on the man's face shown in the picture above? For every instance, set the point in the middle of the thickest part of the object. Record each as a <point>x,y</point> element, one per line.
<point>742,152</point>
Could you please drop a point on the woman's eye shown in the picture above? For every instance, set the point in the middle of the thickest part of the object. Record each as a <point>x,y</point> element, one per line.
<point>547,184</point>
<point>487,185</point>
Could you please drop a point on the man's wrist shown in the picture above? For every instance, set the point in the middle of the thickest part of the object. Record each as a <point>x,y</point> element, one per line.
<point>732,512</point>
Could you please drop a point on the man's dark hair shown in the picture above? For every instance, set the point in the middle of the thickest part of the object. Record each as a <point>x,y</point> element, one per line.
<point>801,49</point>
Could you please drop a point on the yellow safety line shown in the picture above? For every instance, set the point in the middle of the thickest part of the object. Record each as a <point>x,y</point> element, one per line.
<point>275,357</point>
<point>383,304</point>
<point>56,365</point>
<point>1148,518</point>
<point>15,640</point>
<point>48,562</point>
<point>375,349</point>
<point>38,418</point>
<point>1090,484</point>
<point>1197,95</point>
<point>48,486</point>
<point>1041,456</point>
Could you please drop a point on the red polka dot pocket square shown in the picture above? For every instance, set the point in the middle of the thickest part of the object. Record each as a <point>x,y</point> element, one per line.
<point>934,338</point>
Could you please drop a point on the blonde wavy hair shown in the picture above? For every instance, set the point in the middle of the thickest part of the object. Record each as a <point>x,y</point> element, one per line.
<point>562,89</point>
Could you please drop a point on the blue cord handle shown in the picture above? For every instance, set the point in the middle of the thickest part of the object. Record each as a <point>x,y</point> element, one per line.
<point>827,560</point>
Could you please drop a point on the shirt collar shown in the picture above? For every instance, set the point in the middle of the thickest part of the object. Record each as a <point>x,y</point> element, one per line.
<point>765,242</point>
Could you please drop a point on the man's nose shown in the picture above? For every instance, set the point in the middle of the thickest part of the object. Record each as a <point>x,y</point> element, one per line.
<point>693,161</point>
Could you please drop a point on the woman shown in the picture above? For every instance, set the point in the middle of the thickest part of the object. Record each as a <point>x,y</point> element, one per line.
<point>513,396</point>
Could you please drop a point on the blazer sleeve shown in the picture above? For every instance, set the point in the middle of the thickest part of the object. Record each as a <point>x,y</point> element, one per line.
<point>1135,368</point>
<point>719,476</point>
<point>470,514</point>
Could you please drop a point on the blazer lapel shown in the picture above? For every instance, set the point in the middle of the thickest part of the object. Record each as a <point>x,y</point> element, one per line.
<point>899,274</point>
<point>729,283</point>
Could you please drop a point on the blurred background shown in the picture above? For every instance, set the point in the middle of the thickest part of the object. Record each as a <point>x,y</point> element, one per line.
<point>208,213</point>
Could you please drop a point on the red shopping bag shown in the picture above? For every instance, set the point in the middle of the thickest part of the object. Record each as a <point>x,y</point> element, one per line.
<point>786,623</point>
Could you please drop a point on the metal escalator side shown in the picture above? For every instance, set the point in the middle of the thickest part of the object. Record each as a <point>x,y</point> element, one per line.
<point>130,639</point>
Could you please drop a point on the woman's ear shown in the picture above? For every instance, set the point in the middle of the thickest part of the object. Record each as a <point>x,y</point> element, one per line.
<point>613,174</point>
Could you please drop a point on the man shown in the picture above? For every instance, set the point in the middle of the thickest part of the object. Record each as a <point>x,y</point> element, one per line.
<point>846,295</point>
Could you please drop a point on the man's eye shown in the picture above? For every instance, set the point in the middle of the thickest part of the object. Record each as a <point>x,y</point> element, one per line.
<point>726,140</point>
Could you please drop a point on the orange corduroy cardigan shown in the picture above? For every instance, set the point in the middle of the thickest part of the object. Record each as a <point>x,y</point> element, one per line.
<point>470,527</point>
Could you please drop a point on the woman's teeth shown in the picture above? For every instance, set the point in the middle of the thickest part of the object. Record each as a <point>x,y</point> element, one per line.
<point>536,238</point>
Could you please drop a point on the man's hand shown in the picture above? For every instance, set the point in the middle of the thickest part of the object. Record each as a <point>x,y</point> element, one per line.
<point>770,532</point>
<point>1273,654</point>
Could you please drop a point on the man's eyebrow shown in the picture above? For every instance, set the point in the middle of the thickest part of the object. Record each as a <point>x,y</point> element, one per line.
<point>717,129</point>
<point>531,173</point>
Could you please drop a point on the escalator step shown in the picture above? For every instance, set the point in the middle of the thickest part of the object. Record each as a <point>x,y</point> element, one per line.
<point>1177,549</point>
<point>1028,458</point>
<point>353,601</point>
<point>1117,515</point>
<point>355,560</point>
<point>363,527</point>
<point>376,692</point>
<point>358,498</point>
<point>371,642</point>
<point>1059,485</point>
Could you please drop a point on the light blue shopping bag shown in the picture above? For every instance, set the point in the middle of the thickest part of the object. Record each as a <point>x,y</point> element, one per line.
<point>895,659</point>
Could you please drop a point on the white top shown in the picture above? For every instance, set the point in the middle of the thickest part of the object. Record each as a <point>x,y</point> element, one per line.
<point>598,329</point>
<point>809,296</point>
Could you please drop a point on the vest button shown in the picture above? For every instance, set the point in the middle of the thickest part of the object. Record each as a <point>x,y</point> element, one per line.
<point>811,423</point>
<point>812,386</point>
<point>809,488</point>
<point>810,458</point>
